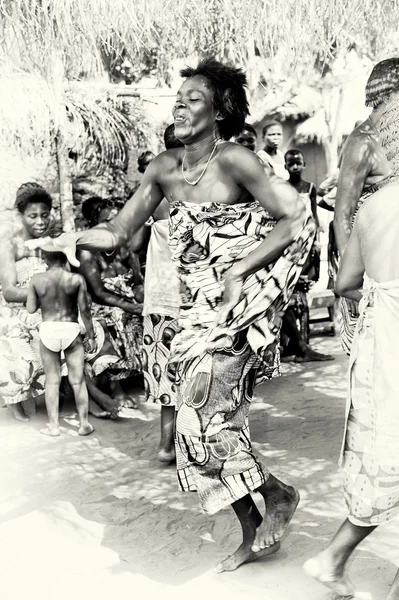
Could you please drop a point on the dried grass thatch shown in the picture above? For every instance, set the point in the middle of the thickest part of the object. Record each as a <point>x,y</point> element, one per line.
<point>152,32</point>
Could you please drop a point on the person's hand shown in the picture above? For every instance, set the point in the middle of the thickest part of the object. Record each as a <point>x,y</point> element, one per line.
<point>134,309</point>
<point>231,297</point>
<point>353,308</point>
<point>91,345</point>
<point>65,243</point>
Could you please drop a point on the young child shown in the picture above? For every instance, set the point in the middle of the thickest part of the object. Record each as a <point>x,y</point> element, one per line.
<point>61,294</point>
<point>295,165</point>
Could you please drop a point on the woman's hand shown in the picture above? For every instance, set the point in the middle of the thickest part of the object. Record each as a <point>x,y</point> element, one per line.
<point>134,309</point>
<point>65,243</point>
<point>232,295</point>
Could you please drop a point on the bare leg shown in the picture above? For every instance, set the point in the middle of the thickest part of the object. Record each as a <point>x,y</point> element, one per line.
<point>74,357</point>
<point>250,519</point>
<point>167,451</point>
<point>394,591</point>
<point>109,407</point>
<point>52,369</point>
<point>18,412</point>
<point>120,396</point>
<point>281,501</point>
<point>328,566</point>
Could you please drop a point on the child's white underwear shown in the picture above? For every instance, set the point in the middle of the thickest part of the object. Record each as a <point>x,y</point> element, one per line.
<point>58,335</point>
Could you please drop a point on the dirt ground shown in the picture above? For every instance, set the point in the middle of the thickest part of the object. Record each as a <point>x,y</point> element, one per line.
<point>100,518</point>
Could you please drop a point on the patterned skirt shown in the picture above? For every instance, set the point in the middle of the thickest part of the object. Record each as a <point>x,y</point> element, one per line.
<point>159,378</point>
<point>371,488</point>
<point>213,445</point>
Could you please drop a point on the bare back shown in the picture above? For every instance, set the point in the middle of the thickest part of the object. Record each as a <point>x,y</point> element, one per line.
<point>378,227</point>
<point>58,291</point>
<point>365,138</point>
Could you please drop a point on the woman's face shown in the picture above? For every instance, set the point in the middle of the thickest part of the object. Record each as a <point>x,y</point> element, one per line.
<point>36,219</point>
<point>273,136</point>
<point>194,113</point>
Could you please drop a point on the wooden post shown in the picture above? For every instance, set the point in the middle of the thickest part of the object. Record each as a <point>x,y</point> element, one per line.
<point>65,185</point>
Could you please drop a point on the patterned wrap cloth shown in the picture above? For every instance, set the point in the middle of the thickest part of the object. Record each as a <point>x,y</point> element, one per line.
<point>370,452</point>
<point>125,330</point>
<point>161,309</point>
<point>217,366</point>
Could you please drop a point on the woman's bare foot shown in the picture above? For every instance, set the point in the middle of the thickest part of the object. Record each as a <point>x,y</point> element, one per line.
<point>244,555</point>
<point>51,430</point>
<point>281,501</point>
<point>96,411</point>
<point>18,412</point>
<point>167,456</point>
<point>85,429</point>
<point>126,402</point>
<point>322,568</point>
<point>119,396</point>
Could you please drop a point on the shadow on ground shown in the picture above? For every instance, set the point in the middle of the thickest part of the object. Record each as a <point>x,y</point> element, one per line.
<point>100,511</point>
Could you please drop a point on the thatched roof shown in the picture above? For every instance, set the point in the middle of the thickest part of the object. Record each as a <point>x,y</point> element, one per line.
<point>153,32</point>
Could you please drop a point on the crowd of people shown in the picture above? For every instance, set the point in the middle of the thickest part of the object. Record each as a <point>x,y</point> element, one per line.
<point>234,232</point>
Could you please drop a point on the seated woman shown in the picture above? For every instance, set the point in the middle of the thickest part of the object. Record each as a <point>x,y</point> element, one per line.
<point>115,284</point>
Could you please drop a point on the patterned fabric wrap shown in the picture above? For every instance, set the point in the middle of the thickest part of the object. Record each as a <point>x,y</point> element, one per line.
<point>124,329</point>
<point>348,321</point>
<point>206,240</point>
<point>217,367</point>
<point>159,380</point>
<point>21,371</point>
<point>370,457</point>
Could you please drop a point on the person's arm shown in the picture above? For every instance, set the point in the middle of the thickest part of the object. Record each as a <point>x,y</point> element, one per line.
<point>84,309</point>
<point>115,233</point>
<point>32,303</point>
<point>313,204</point>
<point>355,167</point>
<point>8,274</point>
<point>89,268</point>
<point>328,184</point>
<point>351,271</point>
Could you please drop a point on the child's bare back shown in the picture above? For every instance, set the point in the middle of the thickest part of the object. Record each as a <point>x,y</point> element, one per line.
<point>58,290</point>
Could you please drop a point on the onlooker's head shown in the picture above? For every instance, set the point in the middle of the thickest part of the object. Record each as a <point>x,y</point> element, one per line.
<point>169,138</point>
<point>272,134</point>
<point>383,82</point>
<point>91,208</point>
<point>213,98</point>
<point>144,160</point>
<point>247,137</point>
<point>34,204</point>
<point>54,258</point>
<point>294,161</point>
